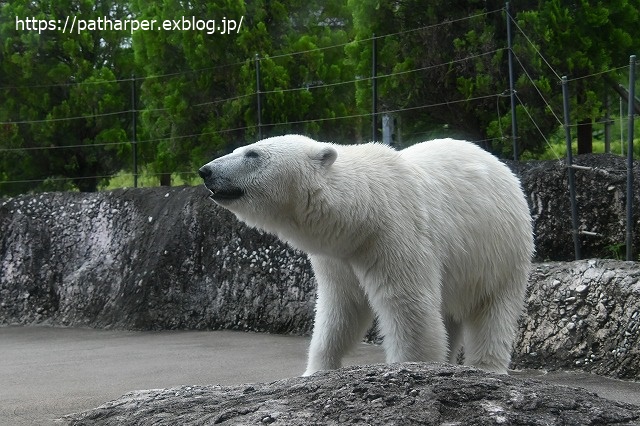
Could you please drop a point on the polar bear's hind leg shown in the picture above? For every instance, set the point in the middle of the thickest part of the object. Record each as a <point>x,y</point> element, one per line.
<point>489,335</point>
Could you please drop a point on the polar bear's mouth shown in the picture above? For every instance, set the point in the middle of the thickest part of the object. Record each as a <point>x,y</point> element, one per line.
<point>226,194</point>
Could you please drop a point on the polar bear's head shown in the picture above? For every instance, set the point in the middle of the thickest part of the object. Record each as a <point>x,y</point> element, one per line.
<point>270,179</point>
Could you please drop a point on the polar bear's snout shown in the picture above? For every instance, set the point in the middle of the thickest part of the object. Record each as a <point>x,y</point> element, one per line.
<point>205,172</point>
<point>221,188</point>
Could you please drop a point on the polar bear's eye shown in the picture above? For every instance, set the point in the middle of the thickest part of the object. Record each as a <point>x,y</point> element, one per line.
<point>251,154</point>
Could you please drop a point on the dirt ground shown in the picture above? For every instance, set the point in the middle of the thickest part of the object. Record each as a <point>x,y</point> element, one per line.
<point>46,372</point>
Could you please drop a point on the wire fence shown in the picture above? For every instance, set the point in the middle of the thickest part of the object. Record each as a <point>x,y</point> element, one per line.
<point>322,85</point>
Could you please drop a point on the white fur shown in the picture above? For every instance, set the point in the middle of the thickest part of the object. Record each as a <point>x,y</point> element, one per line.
<point>435,240</point>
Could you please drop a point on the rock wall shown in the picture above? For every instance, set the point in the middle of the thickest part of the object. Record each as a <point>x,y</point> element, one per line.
<point>582,315</point>
<point>601,199</point>
<point>146,259</point>
<point>168,258</point>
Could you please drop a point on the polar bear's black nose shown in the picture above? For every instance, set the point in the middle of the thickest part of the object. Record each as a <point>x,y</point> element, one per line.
<point>204,172</point>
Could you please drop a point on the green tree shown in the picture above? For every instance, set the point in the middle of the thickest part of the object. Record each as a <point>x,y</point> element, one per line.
<point>308,82</point>
<point>63,112</point>
<point>199,87</point>
<point>188,76</point>
<point>581,38</point>
<point>452,56</point>
<point>431,55</point>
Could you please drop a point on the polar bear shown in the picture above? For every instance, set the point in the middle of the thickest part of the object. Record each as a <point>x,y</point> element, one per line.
<point>434,240</point>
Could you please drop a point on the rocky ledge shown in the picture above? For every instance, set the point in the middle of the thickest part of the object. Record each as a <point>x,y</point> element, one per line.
<point>582,315</point>
<point>420,393</point>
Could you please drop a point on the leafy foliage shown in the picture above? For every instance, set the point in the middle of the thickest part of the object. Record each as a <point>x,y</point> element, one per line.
<point>442,71</point>
<point>49,77</point>
<point>578,38</point>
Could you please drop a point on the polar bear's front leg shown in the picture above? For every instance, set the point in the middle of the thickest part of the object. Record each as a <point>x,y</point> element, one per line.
<point>342,316</point>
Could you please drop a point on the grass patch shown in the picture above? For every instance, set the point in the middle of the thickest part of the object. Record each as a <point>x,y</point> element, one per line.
<point>146,179</point>
<point>558,149</point>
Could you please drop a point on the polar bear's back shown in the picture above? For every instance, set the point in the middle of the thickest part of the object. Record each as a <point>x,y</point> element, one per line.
<point>456,158</point>
<point>461,168</point>
<point>471,180</point>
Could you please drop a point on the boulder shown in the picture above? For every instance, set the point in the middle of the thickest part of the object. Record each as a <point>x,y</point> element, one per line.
<point>397,394</point>
<point>601,200</point>
<point>582,315</point>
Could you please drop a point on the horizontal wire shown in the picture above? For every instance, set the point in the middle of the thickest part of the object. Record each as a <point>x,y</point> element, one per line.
<point>382,76</point>
<point>39,148</point>
<point>120,174</point>
<point>216,67</point>
<point>82,83</point>
<point>51,120</point>
<point>55,179</point>
<point>623,119</point>
<point>597,73</point>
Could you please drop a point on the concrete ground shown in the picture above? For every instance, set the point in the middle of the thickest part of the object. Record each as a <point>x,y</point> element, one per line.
<point>46,373</point>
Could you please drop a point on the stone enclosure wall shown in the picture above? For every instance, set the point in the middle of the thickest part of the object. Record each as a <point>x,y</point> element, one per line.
<point>168,258</point>
<point>582,315</point>
<point>146,259</point>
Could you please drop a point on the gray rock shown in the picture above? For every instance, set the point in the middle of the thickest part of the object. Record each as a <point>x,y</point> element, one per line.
<point>588,321</point>
<point>97,260</point>
<point>601,199</point>
<point>398,394</point>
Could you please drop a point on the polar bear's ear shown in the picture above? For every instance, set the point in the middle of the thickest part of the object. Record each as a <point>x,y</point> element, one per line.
<point>325,156</point>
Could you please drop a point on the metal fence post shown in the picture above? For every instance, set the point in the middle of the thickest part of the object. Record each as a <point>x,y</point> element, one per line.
<point>512,91</point>
<point>134,130</point>
<point>631,117</point>
<point>258,96</point>
<point>374,89</point>
<point>571,171</point>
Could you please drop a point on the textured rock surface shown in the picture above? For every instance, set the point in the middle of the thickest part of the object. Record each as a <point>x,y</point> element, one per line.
<point>582,315</point>
<point>601,199</point>
<point>399,394</point>
<point>146,259</point>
